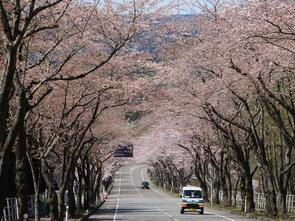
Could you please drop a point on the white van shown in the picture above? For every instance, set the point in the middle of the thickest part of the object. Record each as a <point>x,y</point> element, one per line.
<point>192,198</point>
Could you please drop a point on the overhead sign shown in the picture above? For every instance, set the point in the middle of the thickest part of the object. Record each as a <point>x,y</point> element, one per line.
<point>125,150</point>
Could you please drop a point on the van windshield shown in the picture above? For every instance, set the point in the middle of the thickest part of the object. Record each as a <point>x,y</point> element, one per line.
<point>192,194</point>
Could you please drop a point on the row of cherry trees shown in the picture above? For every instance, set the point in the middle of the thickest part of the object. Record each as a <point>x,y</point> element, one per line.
<point>232,91</point>
<point>217,92</point>
<point>65,79</point>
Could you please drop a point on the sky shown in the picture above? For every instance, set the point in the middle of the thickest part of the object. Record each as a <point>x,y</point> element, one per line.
<point>179,6</point>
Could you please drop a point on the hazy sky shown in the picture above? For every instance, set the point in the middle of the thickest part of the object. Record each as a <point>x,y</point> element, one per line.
<point>179,6</point>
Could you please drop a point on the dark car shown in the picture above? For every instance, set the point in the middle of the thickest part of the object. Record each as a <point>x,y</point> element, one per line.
<point>145,185</point>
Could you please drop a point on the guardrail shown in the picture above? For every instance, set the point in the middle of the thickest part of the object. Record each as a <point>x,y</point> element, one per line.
<point>260,201</point>
<point>10,211</point>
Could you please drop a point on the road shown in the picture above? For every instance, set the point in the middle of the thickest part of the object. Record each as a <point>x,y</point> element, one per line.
<point>128,202</point>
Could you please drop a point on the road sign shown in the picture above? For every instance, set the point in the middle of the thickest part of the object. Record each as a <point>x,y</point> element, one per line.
<point>125,150</point>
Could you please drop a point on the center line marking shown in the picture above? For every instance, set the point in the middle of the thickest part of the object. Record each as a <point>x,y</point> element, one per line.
<point>153,189</point>
<point>118,200</point>
<point>156,207</point>
<point>142,175</point>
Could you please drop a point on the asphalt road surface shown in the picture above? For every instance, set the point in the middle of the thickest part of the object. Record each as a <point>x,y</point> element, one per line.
<point>128,202</point>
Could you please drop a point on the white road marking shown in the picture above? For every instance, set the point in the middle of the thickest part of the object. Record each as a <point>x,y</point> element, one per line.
<point>154,189</point>
<point>158,208</point>
<point>133,168</point>
<point>224,217</point>
<point>160,193</point>
<point>118,200</point>
<point>142,175</point>
<point>131,171</point>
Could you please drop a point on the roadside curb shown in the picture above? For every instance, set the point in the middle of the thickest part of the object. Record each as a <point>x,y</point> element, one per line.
<point>248,215</point>
<point>259,218</point>
<point>86,216</point>
<point>264,219</point>
<point>251,216</point>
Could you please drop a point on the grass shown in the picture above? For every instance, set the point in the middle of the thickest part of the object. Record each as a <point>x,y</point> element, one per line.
<point>258,214</point>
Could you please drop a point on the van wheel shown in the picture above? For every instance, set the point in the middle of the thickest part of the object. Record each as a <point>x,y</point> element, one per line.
<point>182,210</point>
<point>202,211</point>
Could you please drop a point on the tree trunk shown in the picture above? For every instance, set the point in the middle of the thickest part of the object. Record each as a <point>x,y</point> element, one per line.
<point>87,185</point>
<point>5,181</point>
<point>225,195</point>
<point>216,185</point>
<point>243,192</point>
<point>223,185</point>
<point>71,196</point>
<point>250,207</point>
<point>61,204</point>
<point>79,195</point>
<point>52,197</point>
<point>52,201</point>
<point>7,138</point>
<point>6,88</point>
<point>229,184</point>
<point>37,204</point>
<point>36,181</point>
<point>236,192</point>
<point>97,183</point>
<point>20,168</point>
<point>204,187</point>
<point>269,191</point>
<point>283,203</point>
<point>202,180</point>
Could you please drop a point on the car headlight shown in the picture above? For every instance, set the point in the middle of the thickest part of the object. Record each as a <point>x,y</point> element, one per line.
<point>201,201</point>
<point>184,200</point>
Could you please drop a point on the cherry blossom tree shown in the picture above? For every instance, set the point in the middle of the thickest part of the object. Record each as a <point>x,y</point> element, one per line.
<point>228,70</point>
<point>45,43</point>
